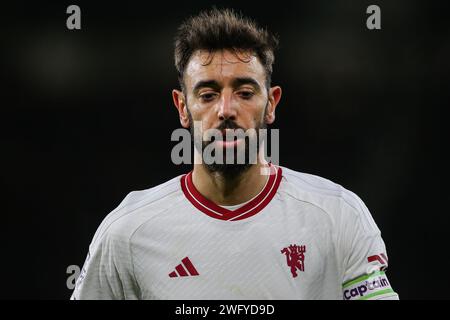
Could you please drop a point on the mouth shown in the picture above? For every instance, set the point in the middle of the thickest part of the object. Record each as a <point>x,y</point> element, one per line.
<point>229,139</point>
<point>227,144</point>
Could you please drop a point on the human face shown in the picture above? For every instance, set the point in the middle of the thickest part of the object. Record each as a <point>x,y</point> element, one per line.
<point>225,91</point>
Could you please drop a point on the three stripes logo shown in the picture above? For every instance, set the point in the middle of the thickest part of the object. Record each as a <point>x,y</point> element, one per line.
<point>184,269</point>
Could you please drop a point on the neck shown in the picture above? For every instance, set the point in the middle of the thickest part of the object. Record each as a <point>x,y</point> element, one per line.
<point>228,191</point>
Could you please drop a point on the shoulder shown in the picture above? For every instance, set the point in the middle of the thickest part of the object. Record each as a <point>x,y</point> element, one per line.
<point>336,201</point>
<point>137,208</point>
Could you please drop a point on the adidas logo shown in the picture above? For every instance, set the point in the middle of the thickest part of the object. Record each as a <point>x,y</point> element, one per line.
<point>184,269</point>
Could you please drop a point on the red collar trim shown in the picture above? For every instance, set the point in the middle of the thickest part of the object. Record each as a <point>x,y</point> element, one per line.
<point>249,209</point>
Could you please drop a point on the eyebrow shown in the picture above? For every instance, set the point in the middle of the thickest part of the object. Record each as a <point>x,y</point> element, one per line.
<point>246,80</point>
<point>235,84</point>
<point>206,84</point>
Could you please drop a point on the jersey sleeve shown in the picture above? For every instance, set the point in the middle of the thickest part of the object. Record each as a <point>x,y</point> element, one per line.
<point>365,258</point>
<point>107,273</point>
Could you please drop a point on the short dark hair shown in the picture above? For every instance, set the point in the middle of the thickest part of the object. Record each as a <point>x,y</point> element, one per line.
<point>219,29</point>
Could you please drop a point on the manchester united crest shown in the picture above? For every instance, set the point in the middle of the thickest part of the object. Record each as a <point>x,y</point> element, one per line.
<point>295,258</point>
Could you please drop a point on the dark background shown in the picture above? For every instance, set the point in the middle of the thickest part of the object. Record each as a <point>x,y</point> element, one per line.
<point>86,117</point>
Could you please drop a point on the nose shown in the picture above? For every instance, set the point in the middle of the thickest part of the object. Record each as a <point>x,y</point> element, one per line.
<point>226,107</point>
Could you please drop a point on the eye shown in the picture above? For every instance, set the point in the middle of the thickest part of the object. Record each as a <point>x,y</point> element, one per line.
<point>246,94</point>
<point>209,96</point>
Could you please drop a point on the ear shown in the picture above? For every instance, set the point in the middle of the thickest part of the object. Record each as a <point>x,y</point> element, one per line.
<point>180,104</point>
<point>274,98</point>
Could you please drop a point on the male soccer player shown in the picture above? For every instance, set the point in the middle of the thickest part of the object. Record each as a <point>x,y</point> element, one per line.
<point>250,230</point>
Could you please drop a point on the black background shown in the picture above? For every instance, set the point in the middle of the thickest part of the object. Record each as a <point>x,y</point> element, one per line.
<point>86,117</point>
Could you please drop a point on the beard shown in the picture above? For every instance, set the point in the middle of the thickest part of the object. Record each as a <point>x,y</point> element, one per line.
<point>229,170</point>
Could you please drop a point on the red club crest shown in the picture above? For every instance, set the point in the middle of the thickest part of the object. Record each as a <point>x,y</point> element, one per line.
<point>295,258</point>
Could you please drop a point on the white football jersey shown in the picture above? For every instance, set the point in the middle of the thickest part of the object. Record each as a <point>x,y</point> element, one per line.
<point>301,237</point>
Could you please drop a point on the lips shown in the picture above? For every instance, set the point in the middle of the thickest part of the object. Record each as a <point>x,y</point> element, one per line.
<point>228,138</point>
<point>227,144</point>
